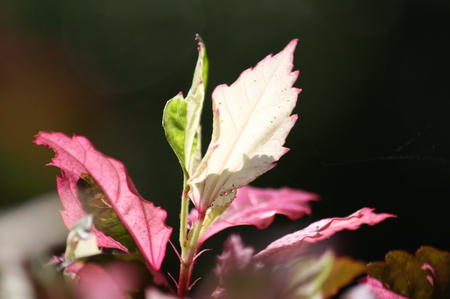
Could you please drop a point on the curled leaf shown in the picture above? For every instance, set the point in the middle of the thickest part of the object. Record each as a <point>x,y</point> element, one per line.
<point>290,246</point>
<point>112,193</point>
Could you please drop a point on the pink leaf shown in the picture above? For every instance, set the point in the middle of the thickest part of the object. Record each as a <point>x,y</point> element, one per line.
<point>257,206</point>
<point>76,157</point>
<point>114,281</point>
<point>235,256</point>
<point>376,288</point>
<point>292,245</point>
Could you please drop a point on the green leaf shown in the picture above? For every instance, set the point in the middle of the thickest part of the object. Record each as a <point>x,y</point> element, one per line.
<point>204,62</point>
<point>307,277</point>
<point>423,276</point>
<point>343,272</point>
<point>440,261</point>
<point>181,117</point>
<point>174,123</point>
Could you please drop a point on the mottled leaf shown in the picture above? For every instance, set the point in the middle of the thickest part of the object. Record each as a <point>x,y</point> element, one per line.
<point>112,193</point>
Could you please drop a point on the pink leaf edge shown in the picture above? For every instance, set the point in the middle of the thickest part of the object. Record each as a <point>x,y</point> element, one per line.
<point>240,150</point>
<point>376,287</point>
<point>258,207</point>
<point>292,245</point>
<point>144,221</point>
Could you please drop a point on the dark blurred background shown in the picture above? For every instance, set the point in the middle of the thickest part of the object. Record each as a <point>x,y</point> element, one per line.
<point>373,115</point>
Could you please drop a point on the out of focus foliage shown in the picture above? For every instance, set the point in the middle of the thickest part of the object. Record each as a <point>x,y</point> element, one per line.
<point>373,115</point>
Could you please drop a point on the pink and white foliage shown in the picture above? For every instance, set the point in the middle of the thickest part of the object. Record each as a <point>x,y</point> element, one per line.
<point>252,118</point>
<point>145,222</point>
<point>258,206</point>
<point>294,244</point>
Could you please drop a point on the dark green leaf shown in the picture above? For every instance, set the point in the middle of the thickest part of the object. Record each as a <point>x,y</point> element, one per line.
<point>423,276</point>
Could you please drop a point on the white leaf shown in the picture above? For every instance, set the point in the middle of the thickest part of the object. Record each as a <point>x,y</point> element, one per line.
<point>252,118</point>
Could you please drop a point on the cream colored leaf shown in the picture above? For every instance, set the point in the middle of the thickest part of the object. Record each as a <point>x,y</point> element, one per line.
<point>252,118</point>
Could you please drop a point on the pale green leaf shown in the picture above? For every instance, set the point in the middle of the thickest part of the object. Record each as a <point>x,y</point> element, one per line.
<point>307,277</point>
<point>344,271</point>
<point>181,117</point>
<point>174,123</point>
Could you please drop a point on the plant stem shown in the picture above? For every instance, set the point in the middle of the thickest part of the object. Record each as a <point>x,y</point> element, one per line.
<point>189,249</point>
<point>183,216</point>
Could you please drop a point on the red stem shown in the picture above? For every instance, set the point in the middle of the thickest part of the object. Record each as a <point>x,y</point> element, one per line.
<point>188,254</point>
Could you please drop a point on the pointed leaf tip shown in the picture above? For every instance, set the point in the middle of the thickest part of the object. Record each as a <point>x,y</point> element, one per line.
<point>292,245</point>
<point>181,117</point>
<point>252,118</point>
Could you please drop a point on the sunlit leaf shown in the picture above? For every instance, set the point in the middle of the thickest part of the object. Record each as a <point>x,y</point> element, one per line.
<point>252,118</point>
<point>292,245</point>
<point>181,117</point>
<point>258,207</point>
<point>113,192</point>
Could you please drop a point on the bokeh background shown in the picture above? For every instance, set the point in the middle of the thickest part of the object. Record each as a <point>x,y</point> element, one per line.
<point>373,125</point>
